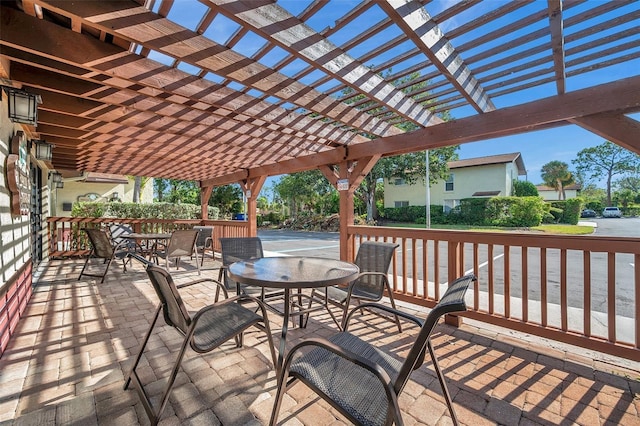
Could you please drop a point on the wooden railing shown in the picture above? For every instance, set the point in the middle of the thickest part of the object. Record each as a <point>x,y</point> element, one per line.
<point>580,290</point>
<point>67,239</point>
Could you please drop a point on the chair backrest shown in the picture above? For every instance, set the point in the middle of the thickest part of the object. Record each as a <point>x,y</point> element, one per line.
<point>451,301</point>
<point>182,243</point>
<point>118,230</point>
<point>100,241</point>
<point>374,256</point>
<point>204,232</point>
<point>174,310</point>
<point>235,249</point>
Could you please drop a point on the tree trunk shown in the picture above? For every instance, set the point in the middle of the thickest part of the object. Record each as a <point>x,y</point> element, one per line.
<point>137,185</point>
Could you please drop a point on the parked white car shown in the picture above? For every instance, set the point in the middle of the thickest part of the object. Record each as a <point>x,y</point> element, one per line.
<point>611,212</point>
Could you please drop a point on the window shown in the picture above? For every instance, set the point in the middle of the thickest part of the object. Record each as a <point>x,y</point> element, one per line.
<point>398,181</point>
<point>448,185</point>
<point>401,204</point>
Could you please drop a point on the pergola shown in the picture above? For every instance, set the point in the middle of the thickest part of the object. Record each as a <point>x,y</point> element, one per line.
<point>222,91</point>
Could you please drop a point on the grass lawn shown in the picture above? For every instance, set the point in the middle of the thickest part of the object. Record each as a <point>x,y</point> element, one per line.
<point>546,229</point>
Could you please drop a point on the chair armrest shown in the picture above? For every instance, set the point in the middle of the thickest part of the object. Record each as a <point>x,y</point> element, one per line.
<point>377,306</point>
<point>354,283</point>
<point>203,280</point>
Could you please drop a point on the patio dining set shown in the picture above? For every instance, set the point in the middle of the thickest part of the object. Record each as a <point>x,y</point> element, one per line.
<point>359,379</point>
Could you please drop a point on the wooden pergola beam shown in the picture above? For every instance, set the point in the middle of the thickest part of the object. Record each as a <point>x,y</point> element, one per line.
<point>285,30</point>
<point>136,24</point>
<point>418,25</point>
<point>622,96</point>
<point>617,128</point>
<point>557,42</point>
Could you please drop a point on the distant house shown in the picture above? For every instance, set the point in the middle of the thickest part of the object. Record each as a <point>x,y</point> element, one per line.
<point>95,187</point>
<point>549,194</point>
<point>480,177</point>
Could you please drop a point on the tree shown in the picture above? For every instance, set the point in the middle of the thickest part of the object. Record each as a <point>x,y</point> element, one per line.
<point>606,161</point>
<point>228,198</point>
<point>409,167</point>
<point>522,188</point>
<point>556,174</point>
<point>139,183</point>
<point>305,191</point>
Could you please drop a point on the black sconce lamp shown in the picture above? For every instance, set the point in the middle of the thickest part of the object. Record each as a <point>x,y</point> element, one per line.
<point>23,106</point>
<point>56,177</point>
<point>44,150</point>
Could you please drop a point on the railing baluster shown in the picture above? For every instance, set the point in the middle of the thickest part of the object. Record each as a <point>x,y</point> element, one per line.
<point>636,276</point>
<point>586,285</point>
<point>507,283</point>
<point>425,268</point>
<point>543,286</point>
<point>611,296</point>
<point>563,291</point>
<point>524,254</point>
<point>476,270</point>
<point>491,278</point>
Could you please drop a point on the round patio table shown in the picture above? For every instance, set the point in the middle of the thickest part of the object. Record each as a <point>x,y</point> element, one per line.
<point>292,273</point>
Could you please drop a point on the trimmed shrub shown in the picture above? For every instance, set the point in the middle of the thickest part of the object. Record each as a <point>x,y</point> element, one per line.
<point>137,211</point>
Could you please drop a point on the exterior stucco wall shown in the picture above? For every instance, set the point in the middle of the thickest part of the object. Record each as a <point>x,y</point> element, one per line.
<point>14,230</point>
<point>73,190</point>
<point>554,196</point>
<point>466,182</point>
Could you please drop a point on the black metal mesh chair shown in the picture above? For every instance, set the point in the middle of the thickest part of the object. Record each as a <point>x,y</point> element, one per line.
<point>103,248</point>
<point>204,242</point>
<point>360,380</point>
<point>206,330</point>
<point>373,259</point>
<point>235,249</point>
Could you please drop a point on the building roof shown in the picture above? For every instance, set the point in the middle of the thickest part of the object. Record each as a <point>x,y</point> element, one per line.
<point>491,159</point>
<point>486,194</point>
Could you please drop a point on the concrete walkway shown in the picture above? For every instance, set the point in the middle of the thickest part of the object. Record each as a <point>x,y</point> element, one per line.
<point>67,362</point>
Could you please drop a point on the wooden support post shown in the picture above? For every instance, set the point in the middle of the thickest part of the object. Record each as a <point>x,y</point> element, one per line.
<point>456,269</point>
<point>251,188</point>
<point>205,194</point>
<point>346,179</point>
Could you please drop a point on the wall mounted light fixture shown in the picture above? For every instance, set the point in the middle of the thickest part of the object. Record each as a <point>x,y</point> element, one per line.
<point>44,150</point>
<point>23,106</point>
<point>56,177</point>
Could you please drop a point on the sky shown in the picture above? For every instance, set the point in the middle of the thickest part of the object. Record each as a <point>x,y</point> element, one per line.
<point>536,148</point>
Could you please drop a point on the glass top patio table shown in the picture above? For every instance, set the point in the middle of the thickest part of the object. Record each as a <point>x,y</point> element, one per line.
<point>292,272</point>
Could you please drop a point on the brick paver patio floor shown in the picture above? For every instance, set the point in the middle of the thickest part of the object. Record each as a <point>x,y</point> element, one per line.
<point>74,346</point>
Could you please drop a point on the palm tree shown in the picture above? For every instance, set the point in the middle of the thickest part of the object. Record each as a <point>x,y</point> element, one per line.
<point>556,174</point>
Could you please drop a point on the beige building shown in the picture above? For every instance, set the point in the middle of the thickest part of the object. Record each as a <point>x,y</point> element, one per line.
<point>96,187</point>
<point>489,176</point>
<point>549,194</point>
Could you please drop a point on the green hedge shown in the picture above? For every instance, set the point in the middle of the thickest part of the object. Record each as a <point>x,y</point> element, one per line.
<point>496,211</point>
<point>137,210</point>
<point>567,211</point>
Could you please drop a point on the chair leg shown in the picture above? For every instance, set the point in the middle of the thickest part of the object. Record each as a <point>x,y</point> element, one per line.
<point>393,305</point>
<point>144,343</point>
<point>106,269</point>
<point>443,384</point>
<point>85,265</point>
